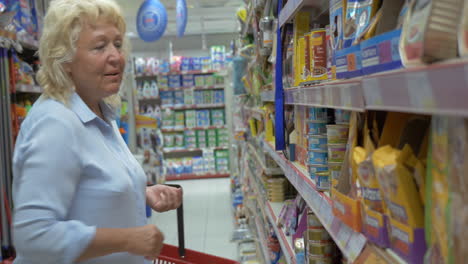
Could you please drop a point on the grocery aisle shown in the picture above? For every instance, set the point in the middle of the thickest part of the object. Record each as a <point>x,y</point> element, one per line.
<point>208,218</point>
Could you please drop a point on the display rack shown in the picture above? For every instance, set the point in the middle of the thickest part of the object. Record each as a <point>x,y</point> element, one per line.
<point>188,107</point>
<point>435,89</point>
<point>185,150</point>
<point>213,87</point>
<point>293,6</point>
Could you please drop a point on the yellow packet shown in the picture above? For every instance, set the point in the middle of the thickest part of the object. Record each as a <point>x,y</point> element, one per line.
<point>371,193</point>
<point>396,181</point>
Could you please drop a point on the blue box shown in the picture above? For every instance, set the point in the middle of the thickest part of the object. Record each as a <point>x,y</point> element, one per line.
<point>381,53</point>
<point>174,81</point>
<point>348,62</point>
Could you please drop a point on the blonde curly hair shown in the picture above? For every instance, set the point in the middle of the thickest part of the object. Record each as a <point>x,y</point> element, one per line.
<point>62,26</point>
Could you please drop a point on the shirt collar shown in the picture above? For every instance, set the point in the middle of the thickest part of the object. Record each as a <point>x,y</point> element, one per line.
<point>85,114</point>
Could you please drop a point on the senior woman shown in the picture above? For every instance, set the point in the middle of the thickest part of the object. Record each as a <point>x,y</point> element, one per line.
<point>79,194</point>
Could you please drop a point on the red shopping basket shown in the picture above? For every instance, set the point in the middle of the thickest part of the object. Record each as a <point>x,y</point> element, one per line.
<point>179,255</point>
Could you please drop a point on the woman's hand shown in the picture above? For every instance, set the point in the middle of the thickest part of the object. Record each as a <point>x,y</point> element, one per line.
<point>163,198</point>
<point>145,241</point>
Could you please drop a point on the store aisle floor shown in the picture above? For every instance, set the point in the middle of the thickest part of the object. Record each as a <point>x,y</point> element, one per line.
<point>208,218</point>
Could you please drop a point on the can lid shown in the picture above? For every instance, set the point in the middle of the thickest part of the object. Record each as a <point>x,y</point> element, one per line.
<point>323,173</point>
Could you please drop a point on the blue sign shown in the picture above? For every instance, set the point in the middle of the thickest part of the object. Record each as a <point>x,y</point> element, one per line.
<point>151,20</point>
<point>181,17</point>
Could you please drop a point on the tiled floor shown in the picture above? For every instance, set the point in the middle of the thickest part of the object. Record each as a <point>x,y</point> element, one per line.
<point>207,216</point>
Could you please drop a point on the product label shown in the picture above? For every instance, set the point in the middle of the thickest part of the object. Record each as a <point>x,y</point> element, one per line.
<point>400,240</point>
<point>372,226</point>
<point>398,212</point>
<point>340,207</point>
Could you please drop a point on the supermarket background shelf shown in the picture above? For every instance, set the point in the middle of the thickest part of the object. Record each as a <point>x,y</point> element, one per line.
<point>268,96</point>
<point>176,73</point>
<point>351,243</point>
<point>194,176</point>
<point>254,112</point>
<point>212,87</point>
<point>181,129</point>
<point>346,95</point>
<point>262,239</point>
<point>293,6</point>
<point>185,150</point>
<point>188,107</point>
<point>26,88</point>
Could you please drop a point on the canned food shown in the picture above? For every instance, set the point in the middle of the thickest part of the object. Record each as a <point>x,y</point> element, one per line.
<point>337,134</point>
<point>318,114</point>
<point>316,168</point>
<point>323,181</point>
<point>317,141</point>
<point>320,249</point>
<point>336,152</point>
<point>342,116</point>
<point>319,260</point>
<point>335,170</point>
<point>317,127</point>
<point>313,221</point>
<point>318,157</point>
<point>318,235</point>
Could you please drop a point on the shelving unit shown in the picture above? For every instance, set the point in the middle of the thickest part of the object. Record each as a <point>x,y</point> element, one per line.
<point>435,89</point>
<point>293,6</point>
<point>185,150</point>
<point>189,107</point>
<point>193,176</point>
<point>176,73</point>
<point>181,129</point>
<point>213,87</point>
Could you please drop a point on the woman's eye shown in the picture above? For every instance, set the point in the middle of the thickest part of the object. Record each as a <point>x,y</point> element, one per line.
<point>99,47</point>
<point>118,45</point>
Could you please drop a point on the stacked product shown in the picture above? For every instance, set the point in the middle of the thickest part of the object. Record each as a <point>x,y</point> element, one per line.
<point>319,246</point>
<point>317,146</point>
<point>276,189</point>
<point>337,136</point>
<point>211,162</point>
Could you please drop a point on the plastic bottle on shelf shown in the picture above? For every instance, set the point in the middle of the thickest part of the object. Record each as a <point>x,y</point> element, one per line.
<point>154,89</point>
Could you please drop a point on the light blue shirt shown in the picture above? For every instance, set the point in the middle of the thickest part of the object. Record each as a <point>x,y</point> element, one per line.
<point>73,173</point>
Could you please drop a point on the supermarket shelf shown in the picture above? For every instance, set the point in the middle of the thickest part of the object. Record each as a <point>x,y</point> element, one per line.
<point>268,96</point>
<point>181,129</point>
<point>262,239</point>
<point>346,95</point>
<point>351,243</point>
<point>273,210</point>
<point>175,73</point>
<point>435,89</point>
<point>25,88</point>
<point>211,87</point>
<point>293,6</point>
<point>188,107</point>
<point>193,176</point>
<point>268,171</point>
<point>186,150</point>
<point>149,98</point>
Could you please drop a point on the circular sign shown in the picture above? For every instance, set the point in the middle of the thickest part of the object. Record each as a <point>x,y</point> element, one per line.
<point>181,17</point>
<point>151,20</point>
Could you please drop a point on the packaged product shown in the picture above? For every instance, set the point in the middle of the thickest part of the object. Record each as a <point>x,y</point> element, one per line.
<point>198,97</point>
<point>317,142</point>
<point>179,140</point>
<point>178,97</point>
<point>190,139</point>
<point>358,15</point>
<point>179,119</point>
<point>208,97</point>
<point>218,96</point>
<point>429,31</point>
<point>174,81</point>
<point>163,82</point>
<point>199,80</point>
<point>167,98</point>
<point>337,17</point>
<point>318,157</point>
<point>168,119</point>
<point>185,64</point>
<point>195,64</point>
<point>188,165</point>
<point>394,169</point>
<point>187,80</point>
<point>322,180</point>
<point>188,96</point>
<point>301,27</point>
<point>169,140</point>
<point>209,80</point>
<point>206,64</point>
<point>317,127</point>
<point>318,56</point>
<point>217,117</point>
<point>203,118</point>
<point>140,65</point>
<point>337,134</point>
<point>317,114</point>
<point>190,118</point>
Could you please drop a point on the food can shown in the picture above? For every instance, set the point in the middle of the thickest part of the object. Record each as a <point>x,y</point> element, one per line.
<point>322,180</point>
<point>335,170</point>
<point>317,127</point>
<point>318,157</point>
<point>336,152</point>
<point>337,134</point>
<point>321,249</point>
<point>313,169</point>
<point>317,141</point>
<point>342,116</point>
<point>313,221</point>
<point>317,235</point>
<point>318,114</point>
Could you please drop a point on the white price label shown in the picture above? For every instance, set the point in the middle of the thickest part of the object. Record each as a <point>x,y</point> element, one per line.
<point>372,93</point>
<point>420,90</point>
<point>344,235</point>
<point>355,245</point>
<point>328,96</point>
<point>327,212</point>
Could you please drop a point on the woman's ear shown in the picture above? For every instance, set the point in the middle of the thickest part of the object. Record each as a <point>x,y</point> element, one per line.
<point>67,67</point>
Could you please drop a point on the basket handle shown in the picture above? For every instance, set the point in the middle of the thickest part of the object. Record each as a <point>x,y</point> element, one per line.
<point>180,224</point>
